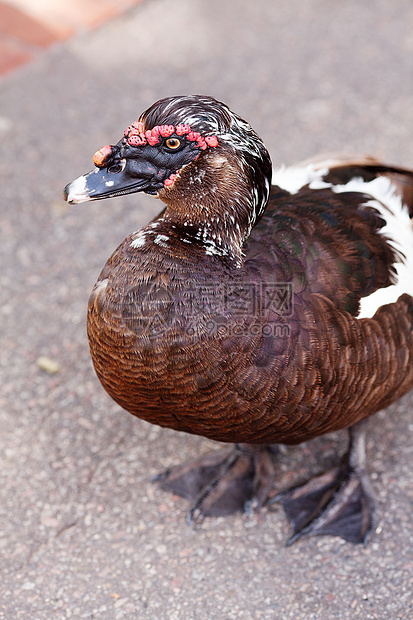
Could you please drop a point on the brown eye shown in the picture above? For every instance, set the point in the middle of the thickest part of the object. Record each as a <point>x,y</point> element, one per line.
<point>173,143</point>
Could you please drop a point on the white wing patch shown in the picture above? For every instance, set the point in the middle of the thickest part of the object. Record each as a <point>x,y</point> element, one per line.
<point>399,231</point>
<point>384,198</point>
<point>294,178</point>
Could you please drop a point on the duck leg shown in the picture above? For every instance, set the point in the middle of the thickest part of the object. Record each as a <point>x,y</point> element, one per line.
<point>339,502</point>
<point>221,483</point>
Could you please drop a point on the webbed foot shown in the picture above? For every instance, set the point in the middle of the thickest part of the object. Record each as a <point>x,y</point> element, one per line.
<point>221,483</point>
<point>339,502</point>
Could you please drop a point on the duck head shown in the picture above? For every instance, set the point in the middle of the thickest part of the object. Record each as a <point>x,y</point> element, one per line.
<point>205,162</point>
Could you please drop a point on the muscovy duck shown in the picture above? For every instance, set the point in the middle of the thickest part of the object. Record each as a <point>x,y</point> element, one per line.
<point>251,313</point>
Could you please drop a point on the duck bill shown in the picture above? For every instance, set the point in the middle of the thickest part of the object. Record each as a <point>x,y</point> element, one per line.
<point>99,184</point>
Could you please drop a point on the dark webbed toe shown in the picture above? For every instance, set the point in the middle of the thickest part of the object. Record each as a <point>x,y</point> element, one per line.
<point>236,479</point>
<point>339,502</point>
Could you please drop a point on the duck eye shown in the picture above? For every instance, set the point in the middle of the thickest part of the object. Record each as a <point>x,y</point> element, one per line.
<point>173,143</point>
<point>117,167</point>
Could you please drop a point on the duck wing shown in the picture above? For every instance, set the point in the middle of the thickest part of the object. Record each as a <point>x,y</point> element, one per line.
<point>339,228</point>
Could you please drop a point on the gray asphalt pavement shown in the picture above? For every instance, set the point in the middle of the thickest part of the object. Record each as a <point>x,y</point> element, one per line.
<point>83,532</point>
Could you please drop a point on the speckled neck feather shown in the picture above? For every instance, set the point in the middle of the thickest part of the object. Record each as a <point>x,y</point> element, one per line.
<point>219,198</point>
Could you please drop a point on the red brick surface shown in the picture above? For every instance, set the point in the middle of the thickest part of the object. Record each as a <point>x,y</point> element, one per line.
<point>12,57</point>
<point>24,28</point>
<point>28,27</point>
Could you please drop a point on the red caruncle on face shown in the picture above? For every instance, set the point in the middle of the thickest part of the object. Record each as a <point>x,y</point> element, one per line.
<point>136,135</point>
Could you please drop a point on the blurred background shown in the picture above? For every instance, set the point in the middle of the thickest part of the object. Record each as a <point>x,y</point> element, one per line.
<point>83,532</point>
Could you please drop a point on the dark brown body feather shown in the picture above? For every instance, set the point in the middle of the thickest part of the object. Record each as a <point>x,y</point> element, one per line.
<point>187,341</point>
